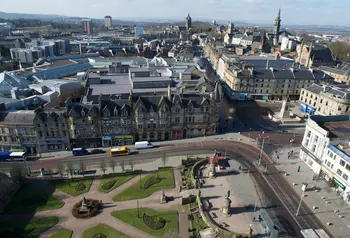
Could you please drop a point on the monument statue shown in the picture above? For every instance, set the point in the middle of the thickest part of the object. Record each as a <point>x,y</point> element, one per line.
<point>226,208</point>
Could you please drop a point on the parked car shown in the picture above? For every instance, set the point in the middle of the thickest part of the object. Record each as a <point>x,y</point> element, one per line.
<point>97,151</point>
<point>79,151</point>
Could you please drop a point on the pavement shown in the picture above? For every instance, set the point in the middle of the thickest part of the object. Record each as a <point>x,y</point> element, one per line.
<point>324,198</point>
<point>243,196</point>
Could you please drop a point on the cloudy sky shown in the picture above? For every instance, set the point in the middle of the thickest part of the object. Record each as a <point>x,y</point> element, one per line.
<point>322,12</point>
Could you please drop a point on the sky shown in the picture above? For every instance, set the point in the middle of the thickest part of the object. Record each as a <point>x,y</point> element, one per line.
<point>296,12</point>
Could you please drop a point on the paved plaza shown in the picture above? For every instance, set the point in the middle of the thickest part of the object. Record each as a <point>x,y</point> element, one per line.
<point>325,199</point>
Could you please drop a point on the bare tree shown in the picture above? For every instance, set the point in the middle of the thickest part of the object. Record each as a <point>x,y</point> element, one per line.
<point>112,164</point>
<point>70,169</point>
<point>132,165</point>
<point>164,159</point>
<point>60,169</point>
<point>122,166</point>
<point>103,166</point>
<point>82,167</point>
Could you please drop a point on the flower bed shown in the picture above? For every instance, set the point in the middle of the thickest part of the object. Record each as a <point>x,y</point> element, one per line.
<point>96,206</point>
<point>80,186</point>
<point>99,235</point>
<point>154,222</point>
<point>109,184</point>
<point>152,181</point>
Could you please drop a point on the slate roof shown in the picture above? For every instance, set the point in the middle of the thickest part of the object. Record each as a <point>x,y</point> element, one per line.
<point>80,109</point>
<point>152,101</point>
<point>21,117</point>
<point>288,74</point>
<point>111,105</point>
<point>340,91</point>
<point>335,70</point>
<point>321,53</point>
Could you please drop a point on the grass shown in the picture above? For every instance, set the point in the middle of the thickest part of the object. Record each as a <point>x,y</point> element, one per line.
<point>136,192</point>
<point>64,233</point>
<point>28,229</point>
<point>130,216</point>
<point>120,179</point>
<point>30,199</point>
<point>104,229</point>
<point>68,186</point>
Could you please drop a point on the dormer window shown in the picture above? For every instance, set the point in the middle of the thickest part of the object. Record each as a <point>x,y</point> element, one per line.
<point>106,113</point>
<point>124,113</point>
<point>115,112</point>
<point>82,112</point>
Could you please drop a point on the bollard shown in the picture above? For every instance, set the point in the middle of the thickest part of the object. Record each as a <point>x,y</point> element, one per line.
<point>328,202</point>
<point>329,223</point>
<point>336,211</point>
<point>294,184</point>
<point>299,168</point>
<point>314,207</point>
<point>323,198</point>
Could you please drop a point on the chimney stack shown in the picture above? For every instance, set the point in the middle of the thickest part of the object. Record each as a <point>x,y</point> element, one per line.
<point>169,92</point>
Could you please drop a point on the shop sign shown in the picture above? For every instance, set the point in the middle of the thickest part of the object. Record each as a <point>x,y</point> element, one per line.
<point>339,184</point>
<point>126,137</point>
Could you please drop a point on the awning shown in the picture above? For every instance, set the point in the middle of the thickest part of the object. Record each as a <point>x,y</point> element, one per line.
<point>339,184</point>
<point>327,172</point>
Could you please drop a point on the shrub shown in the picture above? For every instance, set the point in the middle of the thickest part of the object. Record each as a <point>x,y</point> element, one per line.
<point>80,186</point>
<point>152,181</point>
<point>187,200</point>
<point>154,222</point>
<point>109,184</point>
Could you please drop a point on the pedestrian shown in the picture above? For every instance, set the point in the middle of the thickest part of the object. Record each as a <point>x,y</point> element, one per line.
<point>253,218</point>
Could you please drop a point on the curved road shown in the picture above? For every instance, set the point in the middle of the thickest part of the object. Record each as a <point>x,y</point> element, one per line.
<point>279,198</point>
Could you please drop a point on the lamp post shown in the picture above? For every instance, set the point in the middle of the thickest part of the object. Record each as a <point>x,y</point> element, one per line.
<point>261,151</point>
<point>303,189</point>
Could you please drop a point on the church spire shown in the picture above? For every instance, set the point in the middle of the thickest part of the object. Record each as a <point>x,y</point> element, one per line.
<point>279,15</point>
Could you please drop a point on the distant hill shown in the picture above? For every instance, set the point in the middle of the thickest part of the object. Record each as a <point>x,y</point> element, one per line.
<point>7,15</point>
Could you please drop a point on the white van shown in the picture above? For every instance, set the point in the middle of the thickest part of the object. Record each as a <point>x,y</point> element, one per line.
<point>143,145</point>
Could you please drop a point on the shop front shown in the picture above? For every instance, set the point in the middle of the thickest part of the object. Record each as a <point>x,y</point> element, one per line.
<point>86,142</point>
<point>122,140</point>
<point>339,185</point>
<point>326,175</point>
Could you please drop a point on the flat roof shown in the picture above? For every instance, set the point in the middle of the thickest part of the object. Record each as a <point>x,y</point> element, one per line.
<point>151,79</point>
<point>143,69</point>
<point>118,85</point>
<point>337,129</point>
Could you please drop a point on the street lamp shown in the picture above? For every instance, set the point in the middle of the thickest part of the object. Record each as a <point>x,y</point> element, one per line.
<point>303,189</point>
<point>261,150</point>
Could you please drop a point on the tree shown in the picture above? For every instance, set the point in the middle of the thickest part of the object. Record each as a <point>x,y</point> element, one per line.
<point>82,167</point>
<point>164,159</point>
<point>60,169</point>
<point>70,169</point>
<point>103,166</point>
<point>122,166</point>
<point>131,164</point>
<point>112,164</point>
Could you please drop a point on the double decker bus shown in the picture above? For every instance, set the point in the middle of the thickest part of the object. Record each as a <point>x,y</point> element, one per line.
<point>114,152</point>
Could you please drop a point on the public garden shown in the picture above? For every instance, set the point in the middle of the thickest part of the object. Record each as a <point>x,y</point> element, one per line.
<point>94,207</point>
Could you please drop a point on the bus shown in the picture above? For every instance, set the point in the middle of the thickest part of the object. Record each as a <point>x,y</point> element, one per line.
<point>119,151</point>
<point>13,156</point>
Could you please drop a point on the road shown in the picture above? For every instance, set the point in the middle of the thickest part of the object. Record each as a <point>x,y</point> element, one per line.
<point>282,201</point>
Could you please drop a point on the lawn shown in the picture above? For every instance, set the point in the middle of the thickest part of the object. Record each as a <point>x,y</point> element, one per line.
<point>146,188</point>
<point>30,199</point>
<point>27,229</point>
<point>74,187</point>
<point>130,216</point>
<point>104,229</point>
<point>64,233</point>
<point>112,182</point>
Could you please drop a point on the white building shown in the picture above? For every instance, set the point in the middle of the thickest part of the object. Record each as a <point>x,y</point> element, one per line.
<point>108,21</point>
<point>321,152</point>
<point>336,168</point>
<point>23,55</point>
<point>288,43</point>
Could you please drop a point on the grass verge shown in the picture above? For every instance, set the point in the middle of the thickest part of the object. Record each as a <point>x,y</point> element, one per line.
<point>72,186</point>
<point>64,233</point>
<point>134,218</point>
<point>115,181</point>
<point>105,230</point>
<point>138,189</point>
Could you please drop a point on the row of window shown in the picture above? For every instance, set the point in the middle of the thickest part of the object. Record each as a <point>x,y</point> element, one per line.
<point>17,140</point>
<point>57,125</point>
<point>276,92</point>
<point>52,134</point>
<point>23,131</point>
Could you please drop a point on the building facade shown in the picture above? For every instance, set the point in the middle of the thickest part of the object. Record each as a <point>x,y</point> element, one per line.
<point>116,121</point>
<point>325,149</point>
<point>276,28</point>
<point>87,26</point>
<point>325,100</point>
<point>272,83</point>
<point>52,130</point>
<point>108,21</point>
<point>18,132</point>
